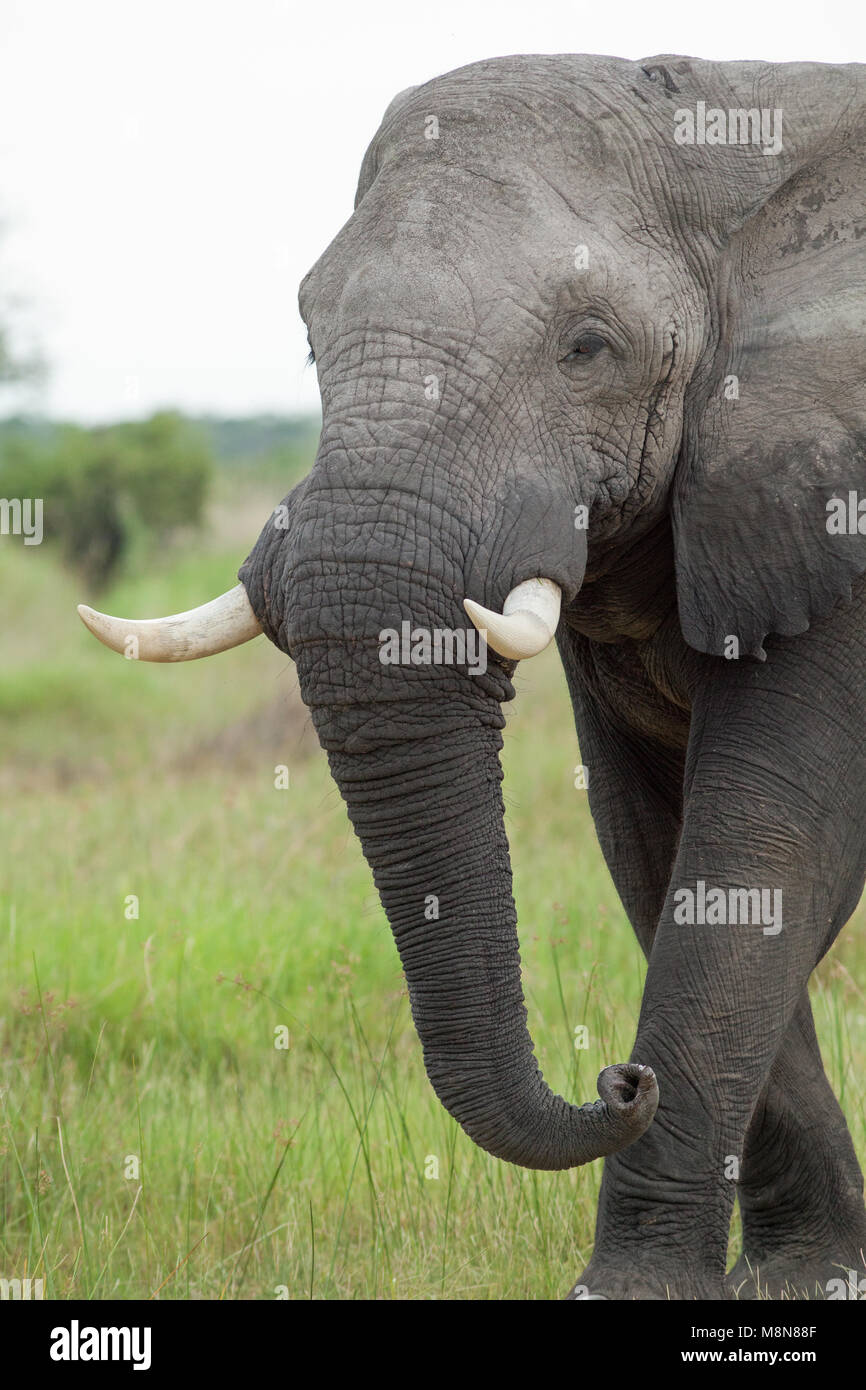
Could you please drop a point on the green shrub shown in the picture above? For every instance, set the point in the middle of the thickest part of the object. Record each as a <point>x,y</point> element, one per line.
<point>104,487</point>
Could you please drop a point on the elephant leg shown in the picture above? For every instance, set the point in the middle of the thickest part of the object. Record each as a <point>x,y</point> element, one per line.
<point>801,1187</point>
<point>635,780</point>
<point>760,812</point>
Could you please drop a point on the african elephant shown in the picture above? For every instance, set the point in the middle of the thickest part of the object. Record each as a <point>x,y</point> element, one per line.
<point>592,358</point>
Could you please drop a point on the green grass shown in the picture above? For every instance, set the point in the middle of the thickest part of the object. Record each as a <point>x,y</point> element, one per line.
<point>153,1140</point>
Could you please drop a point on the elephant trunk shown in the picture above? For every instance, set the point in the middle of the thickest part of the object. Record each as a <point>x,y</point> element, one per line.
<point>414,749</point>
<point>429,815</point>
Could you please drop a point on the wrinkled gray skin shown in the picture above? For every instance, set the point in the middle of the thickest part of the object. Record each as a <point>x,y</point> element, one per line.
<point>605,386</point>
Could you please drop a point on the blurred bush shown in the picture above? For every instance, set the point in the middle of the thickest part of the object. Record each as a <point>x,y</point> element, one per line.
<point>105,488</point>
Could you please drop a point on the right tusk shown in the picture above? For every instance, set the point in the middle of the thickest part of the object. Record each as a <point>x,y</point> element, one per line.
<point>527,622</point>
<point>225,622</point>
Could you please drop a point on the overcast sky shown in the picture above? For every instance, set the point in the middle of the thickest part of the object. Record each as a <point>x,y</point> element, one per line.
<point>169,170</point>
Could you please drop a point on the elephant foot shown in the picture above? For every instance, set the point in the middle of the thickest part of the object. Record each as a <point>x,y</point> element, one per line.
<point>794,1278</point>
<point>609,1282</point>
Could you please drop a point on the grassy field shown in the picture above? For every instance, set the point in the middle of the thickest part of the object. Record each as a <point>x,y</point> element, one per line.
<point>154,1139</point>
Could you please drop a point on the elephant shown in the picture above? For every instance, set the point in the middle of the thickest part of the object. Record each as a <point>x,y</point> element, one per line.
<point>592,358</point>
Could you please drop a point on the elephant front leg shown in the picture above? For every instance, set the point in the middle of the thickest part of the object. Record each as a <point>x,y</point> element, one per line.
<point>801,1188</point>
<point>664,1213</point>
<point>717,1002</point>
<point>665,1203</point>
<point>742,927</point>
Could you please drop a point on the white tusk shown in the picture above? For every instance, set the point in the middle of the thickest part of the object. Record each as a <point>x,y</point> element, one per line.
<point>527,621</point>
<point>225,622</point>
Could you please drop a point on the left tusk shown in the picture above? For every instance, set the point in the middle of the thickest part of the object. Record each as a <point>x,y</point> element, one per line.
<point>215,627</point>
<point>527,622</point>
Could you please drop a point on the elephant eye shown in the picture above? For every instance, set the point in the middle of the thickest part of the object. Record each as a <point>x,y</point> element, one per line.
<point>586,346</point>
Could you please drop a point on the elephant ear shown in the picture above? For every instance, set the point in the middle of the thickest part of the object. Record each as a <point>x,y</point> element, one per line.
<point>768,535</point>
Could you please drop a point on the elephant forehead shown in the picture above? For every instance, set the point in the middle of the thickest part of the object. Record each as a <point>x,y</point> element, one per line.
<point>449,243</point>
<point>518,109</point>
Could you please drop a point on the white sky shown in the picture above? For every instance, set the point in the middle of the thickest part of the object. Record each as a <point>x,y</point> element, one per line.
<point>169,170</point>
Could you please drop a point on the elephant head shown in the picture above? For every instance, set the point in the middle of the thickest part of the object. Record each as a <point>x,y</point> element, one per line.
<point>523,336</point>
